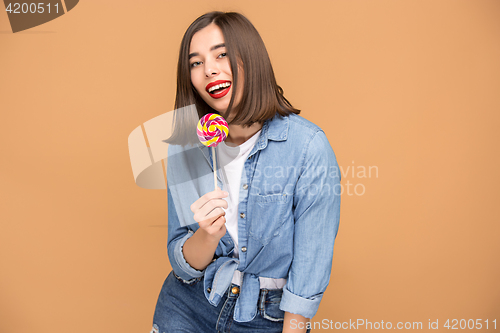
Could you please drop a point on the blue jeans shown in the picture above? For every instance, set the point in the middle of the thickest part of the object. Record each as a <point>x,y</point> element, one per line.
<point>182,307</point>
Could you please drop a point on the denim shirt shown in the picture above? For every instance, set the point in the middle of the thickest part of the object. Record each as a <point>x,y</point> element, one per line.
<point>289,210</point>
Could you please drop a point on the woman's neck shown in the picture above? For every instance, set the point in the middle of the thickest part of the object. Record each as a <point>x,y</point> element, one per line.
<point>238,135</point>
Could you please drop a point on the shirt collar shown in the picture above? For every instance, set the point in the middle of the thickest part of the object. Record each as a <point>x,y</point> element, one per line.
<point>275,129</point>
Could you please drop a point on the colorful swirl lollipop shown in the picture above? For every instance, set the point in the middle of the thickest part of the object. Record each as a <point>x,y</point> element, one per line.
<point>212,129</point>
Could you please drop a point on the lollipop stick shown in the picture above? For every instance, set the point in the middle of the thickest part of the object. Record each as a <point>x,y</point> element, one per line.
<point>212,129</point>
<point>215,166</point>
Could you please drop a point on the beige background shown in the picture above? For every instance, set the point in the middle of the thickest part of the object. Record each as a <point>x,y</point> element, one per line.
<point>410,87</point>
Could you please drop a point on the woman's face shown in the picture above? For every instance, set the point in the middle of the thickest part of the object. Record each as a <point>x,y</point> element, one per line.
<point>210,68</point>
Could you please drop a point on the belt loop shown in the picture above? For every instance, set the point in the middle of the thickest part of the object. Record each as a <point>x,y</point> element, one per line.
<point>262,300</point>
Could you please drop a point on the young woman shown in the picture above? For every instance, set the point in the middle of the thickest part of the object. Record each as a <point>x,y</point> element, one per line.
<point>258,260</point>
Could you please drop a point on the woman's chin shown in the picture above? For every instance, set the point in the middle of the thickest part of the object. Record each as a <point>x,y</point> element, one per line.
<point>223,113</point>
<point>217,108</point>
<point>222,110</point>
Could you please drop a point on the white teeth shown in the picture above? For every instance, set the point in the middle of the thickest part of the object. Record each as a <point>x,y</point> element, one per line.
<point>222,85</point>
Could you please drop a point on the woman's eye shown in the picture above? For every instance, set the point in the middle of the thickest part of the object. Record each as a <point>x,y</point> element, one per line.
<point>196,63</point>
<point>222,55</point>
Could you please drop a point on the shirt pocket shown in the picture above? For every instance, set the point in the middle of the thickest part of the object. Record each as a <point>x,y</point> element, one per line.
<point>268,216</point>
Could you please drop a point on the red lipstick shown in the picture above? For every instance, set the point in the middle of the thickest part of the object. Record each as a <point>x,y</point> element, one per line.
<point>220,93</point>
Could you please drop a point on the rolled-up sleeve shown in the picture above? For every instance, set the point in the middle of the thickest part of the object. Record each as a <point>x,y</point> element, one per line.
<point>316,213</point>
<point>177,236</point>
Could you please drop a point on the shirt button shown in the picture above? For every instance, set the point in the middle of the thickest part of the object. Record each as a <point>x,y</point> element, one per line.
<point>245,186</point>
<point>242,215</point>
<point>244,249</point>
<point>235,290</point>
<point>209,290</point>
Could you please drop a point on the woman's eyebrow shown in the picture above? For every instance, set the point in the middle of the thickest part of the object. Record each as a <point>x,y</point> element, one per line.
<point>194,54</point>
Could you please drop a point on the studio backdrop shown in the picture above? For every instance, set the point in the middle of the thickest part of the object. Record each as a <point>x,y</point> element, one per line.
<point>405,91</point>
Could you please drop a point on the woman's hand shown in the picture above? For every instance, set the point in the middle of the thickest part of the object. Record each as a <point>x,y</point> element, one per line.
<point>209,214</point>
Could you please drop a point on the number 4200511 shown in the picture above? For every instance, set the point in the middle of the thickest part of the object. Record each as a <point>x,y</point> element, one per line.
<point>24,8</point>
<point>456,324</point>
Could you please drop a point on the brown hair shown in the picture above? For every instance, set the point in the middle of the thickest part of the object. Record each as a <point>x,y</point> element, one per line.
<point>262,97</point>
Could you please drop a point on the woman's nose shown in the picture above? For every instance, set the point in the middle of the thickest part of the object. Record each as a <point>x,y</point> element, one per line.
<point>211,69</point>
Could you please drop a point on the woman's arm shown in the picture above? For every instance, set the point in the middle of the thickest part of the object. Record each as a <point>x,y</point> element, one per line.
<point>316,214</point>
<point>294,323</point>
<point>200,248</point>
<point>200,251</point>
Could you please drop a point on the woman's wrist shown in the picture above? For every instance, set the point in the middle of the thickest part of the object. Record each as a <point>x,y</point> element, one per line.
<point>208,239</point>
<point>199,249</point>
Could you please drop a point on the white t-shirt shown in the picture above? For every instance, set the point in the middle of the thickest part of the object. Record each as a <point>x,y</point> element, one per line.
<point>233,159</point>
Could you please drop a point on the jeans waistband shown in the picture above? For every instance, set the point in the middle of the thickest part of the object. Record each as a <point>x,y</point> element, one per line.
<point>265,295</point>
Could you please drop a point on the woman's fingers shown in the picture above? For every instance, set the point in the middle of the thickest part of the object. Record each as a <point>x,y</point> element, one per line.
<point>198,204</point>
<point>209,213</point>
<point>218,228</point>
<point>212,205</point>
<point>206,219</point>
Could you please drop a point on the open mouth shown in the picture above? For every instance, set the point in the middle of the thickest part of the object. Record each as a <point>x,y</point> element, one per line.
<point>218,89</point>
